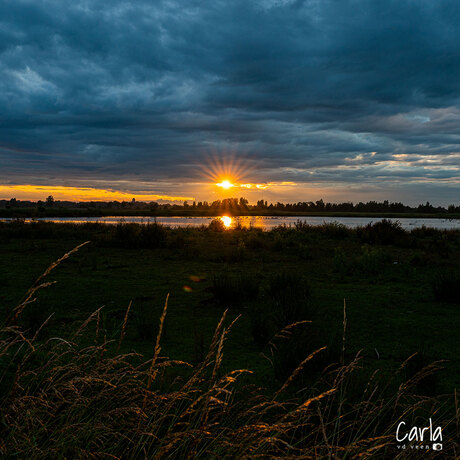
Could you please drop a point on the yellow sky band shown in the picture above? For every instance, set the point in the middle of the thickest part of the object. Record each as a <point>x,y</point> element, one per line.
<point>37,192</point>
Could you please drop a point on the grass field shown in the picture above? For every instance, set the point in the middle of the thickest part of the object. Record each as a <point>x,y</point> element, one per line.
<point>400,290</point>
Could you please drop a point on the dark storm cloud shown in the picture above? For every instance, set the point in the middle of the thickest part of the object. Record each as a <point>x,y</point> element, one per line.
<point>317,90</point>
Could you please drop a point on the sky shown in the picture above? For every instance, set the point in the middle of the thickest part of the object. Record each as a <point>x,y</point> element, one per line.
<point>288,100</point>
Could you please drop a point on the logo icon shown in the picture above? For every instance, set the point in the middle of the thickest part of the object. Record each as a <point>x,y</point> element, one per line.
<point>419,438</point>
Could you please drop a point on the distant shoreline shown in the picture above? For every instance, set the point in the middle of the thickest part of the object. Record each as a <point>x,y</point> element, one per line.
<point>47,213</point>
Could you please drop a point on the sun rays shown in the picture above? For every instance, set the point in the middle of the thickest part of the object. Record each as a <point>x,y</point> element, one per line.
<point>228,172</point>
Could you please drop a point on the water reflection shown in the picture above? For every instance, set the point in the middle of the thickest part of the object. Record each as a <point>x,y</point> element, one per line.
<point>263,222</point>
<point>227,221</point>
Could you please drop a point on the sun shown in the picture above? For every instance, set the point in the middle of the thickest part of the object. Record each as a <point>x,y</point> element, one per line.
<point>226,184</point>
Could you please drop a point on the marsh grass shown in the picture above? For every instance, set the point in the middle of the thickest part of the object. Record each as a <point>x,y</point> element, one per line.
<point>383,232</point>
<point>369,261</point>
<point>80,397</point>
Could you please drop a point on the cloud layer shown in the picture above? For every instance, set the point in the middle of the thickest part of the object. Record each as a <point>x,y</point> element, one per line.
<point>343,95</point>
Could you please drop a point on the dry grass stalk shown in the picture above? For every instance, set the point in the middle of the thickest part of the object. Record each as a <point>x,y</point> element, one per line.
<point>125,322</point>
<point>297,371</point>
<point>153,371</point>
<point>37,286</point>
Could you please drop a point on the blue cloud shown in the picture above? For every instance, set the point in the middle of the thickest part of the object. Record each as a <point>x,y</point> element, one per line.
<point>126,90</point>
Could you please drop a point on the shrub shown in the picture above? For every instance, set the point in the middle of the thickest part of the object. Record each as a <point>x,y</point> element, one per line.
<point>335,230</point>
<point>383,232</point>
<point>303,226</point>
<point>216,225</point>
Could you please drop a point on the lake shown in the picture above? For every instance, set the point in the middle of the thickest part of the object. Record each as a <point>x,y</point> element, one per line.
<point>263,222</point>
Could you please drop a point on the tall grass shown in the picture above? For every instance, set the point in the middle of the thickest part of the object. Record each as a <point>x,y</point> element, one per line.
<point>71,397</point>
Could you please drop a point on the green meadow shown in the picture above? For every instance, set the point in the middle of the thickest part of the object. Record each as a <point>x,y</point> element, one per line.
<point>369,298</point>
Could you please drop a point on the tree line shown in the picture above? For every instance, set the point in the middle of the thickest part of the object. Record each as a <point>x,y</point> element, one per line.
<point>236,205</point>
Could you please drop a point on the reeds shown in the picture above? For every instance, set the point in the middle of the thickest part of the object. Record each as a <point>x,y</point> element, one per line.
<point>70,401</point>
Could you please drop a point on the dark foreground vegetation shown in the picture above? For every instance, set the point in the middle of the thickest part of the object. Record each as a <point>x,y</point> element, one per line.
<point>303,342</point>
<point>233,206</point>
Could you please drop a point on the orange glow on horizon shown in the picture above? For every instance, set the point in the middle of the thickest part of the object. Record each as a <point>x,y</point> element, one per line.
<point>62,193</point>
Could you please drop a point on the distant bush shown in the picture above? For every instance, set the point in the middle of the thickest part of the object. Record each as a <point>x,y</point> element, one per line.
<point>216,225</point>
<point>425,232</point>
<point>446,286</point>
<point>134,236</point>
<point>303,226</point>
<point>383,232</point>
<point>335,230</point>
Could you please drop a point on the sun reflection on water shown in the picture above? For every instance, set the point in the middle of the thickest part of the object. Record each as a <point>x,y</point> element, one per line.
<point>227,221</point>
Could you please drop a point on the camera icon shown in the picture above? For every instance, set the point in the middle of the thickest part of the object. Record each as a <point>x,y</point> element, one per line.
<point>437,446</point>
